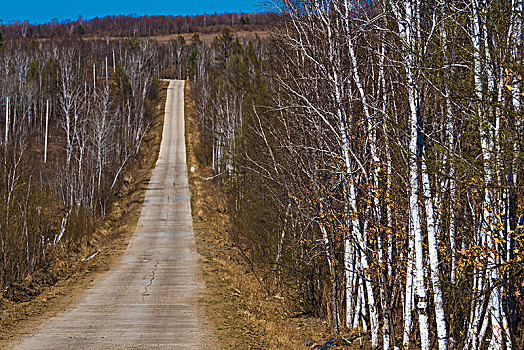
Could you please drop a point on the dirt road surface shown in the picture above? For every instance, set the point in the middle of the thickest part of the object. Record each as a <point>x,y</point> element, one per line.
<point>149,299</point>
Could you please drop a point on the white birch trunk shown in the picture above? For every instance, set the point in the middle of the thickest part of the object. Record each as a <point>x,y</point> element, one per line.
<point>360,291</point>
<point>349,264</point>
<point>414,209</point>
<point>434,261</point>
<point>489,205</point>
<point>375,165</point>
<point>6,120</point>
<point>405,23</point>
<point>46,130</point>
<point>408,294</point>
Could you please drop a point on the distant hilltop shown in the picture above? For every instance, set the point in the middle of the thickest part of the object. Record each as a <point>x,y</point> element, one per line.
<point>142,26</point>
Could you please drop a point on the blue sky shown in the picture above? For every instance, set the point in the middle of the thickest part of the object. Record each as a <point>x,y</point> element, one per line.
<point>43,11</point>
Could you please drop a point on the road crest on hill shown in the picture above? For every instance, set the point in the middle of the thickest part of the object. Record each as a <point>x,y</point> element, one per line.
<point>149,299</point>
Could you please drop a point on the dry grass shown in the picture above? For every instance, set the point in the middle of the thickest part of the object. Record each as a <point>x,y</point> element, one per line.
<point>69,277</point>
<point>244,314</point>
<point>206,38</point>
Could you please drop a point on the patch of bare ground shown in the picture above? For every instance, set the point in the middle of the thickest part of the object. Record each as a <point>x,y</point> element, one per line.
<point>206,38</point>
<point>52,290</point>
<point>244,313</point>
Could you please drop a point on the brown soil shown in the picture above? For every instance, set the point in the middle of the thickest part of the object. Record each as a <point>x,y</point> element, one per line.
<point>54,289</point>
<point>245,315</point>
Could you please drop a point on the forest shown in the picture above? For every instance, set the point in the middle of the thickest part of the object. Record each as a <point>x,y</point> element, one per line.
<point>141,26</point>
<point>373,157</point>
<point>69,129</point>
<point>371,152</point>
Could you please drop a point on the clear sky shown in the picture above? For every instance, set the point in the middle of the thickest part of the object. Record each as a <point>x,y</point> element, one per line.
<point>43,11</point>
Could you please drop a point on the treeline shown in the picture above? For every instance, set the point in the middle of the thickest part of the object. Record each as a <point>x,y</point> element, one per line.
<point>74,115</point>
<point>141,26</point>
<point>373,156</point>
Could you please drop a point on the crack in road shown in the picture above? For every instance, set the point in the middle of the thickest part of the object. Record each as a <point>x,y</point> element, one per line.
<point>150,280</point>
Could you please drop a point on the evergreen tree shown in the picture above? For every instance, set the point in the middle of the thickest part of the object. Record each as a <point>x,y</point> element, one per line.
<point>222,46</point>
<point>191,66</point>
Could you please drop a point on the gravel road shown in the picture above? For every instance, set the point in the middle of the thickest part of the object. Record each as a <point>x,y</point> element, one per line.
<point>149,299</point>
